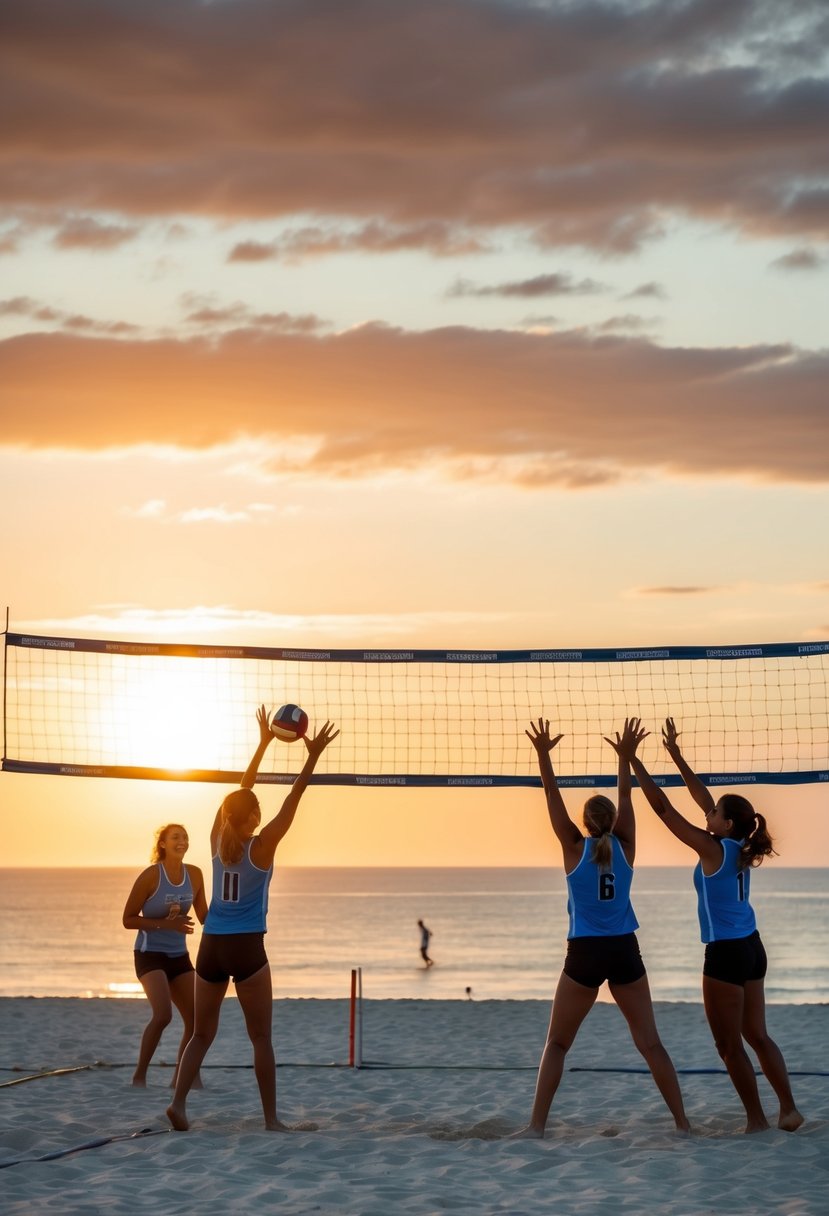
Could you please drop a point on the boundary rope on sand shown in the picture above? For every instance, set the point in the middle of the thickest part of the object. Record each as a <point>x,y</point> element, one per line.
<point>379,1065</point>
<point>99,1142</point>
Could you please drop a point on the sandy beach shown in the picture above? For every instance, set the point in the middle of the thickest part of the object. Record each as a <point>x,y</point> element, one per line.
<point>421,1128</point>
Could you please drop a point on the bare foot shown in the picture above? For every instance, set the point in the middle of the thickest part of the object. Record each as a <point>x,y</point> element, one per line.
<point>275,1126</point>
<point>178,1119</point>
<point>528,1133</point>
<point>139,1082</point>
<point>751,1128</point>
<point>790,1121</point>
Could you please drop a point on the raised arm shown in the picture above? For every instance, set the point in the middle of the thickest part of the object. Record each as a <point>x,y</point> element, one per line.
<point>249,775</point>
<point>625,826</point>
<point>269,837</point>
<point>563,826</point>
<point>696,788</point>
<point>707,847</point>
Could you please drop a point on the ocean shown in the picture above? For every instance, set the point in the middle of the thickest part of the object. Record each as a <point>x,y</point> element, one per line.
<point>498,932</point>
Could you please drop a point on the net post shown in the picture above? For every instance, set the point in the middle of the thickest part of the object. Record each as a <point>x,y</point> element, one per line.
<point>5,662</point>
<point>358,1044</point>
<point>351,1017</point>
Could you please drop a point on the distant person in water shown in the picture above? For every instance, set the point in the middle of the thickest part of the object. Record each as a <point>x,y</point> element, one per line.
<point>601,942</point>
<point>233,943</point>
<point>425,937</point>
<point>158,907</point>
<point>734,840</point>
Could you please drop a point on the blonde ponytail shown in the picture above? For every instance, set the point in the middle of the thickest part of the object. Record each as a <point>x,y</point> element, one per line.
<point>236,810</point>
<point>599,818</point>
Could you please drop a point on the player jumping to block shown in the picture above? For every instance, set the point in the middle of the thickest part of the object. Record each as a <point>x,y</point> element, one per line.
<point>733,841</point>
<point>601,941</point>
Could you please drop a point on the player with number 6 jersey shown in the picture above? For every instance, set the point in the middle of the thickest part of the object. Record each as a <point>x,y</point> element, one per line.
<point>734,840</point>
<point>601,941</point>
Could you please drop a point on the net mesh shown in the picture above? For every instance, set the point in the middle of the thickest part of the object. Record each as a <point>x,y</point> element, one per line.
<point>419,717</point>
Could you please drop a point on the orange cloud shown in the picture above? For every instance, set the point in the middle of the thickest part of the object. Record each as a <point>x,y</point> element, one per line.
<point>564,408</point>
<point>86,232</point>
<point>430,122</point>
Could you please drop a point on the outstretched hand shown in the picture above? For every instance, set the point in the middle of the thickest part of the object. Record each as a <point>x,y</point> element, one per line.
<point>670,734</point>
<point>540,738</point>
<point>265,735</point>
<point>633,733</point>
<point>325,735</point>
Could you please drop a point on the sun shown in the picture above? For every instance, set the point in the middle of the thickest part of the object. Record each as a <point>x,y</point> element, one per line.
<point>172,718</point>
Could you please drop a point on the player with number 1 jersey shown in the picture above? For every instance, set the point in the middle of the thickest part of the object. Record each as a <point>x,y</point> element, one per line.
<point>734,840</point>
<point>232,946</point>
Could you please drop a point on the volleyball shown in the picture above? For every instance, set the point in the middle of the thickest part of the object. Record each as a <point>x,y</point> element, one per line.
<point>289,723</point>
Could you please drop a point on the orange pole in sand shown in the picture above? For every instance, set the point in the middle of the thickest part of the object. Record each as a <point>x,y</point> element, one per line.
<point>352,1018</point>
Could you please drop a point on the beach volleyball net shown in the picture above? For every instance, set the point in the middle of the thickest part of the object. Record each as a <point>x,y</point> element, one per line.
<point>85,707</point>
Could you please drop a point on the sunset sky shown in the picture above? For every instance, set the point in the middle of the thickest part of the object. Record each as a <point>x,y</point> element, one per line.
<point>456,323</point>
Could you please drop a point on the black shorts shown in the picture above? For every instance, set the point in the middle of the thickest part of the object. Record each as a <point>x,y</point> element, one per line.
<point>173,965</point>
<point>736,960</point>
<point>236,956</point>
<point>592,960</point>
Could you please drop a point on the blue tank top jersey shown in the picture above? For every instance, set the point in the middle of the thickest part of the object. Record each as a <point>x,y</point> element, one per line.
<point>598,901</point>
<point>723,897</point>
<point>240,896</point>
<point>157,907</point>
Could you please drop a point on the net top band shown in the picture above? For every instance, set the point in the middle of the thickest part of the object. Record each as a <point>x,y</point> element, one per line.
<point>462,657</point>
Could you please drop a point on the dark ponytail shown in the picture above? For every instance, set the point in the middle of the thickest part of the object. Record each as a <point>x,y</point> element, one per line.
<point>750,827</point>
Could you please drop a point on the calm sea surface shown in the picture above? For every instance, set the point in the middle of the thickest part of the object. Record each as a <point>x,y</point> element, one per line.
<point>499,931</point>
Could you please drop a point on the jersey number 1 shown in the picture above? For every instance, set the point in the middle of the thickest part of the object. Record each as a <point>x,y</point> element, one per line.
<point>230,887</point>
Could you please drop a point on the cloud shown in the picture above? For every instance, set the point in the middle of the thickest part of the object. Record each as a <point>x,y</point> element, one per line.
<point>204,311</point>
<point>800,259</point>
<point>680,591</point>
<point>423,124</point>
<point>157,509</point>
<point>253,251</point>
<point>152,509</point>
<point>626,322</point>
<point>137,620</point>
<point>10,241</point>
<point>647,291</point>
<point>534,408</point>
<point>26,306</point>
<point>555,284</point>
<point>438,239</point>
<point>86,232</point>
<point>216,515</point>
